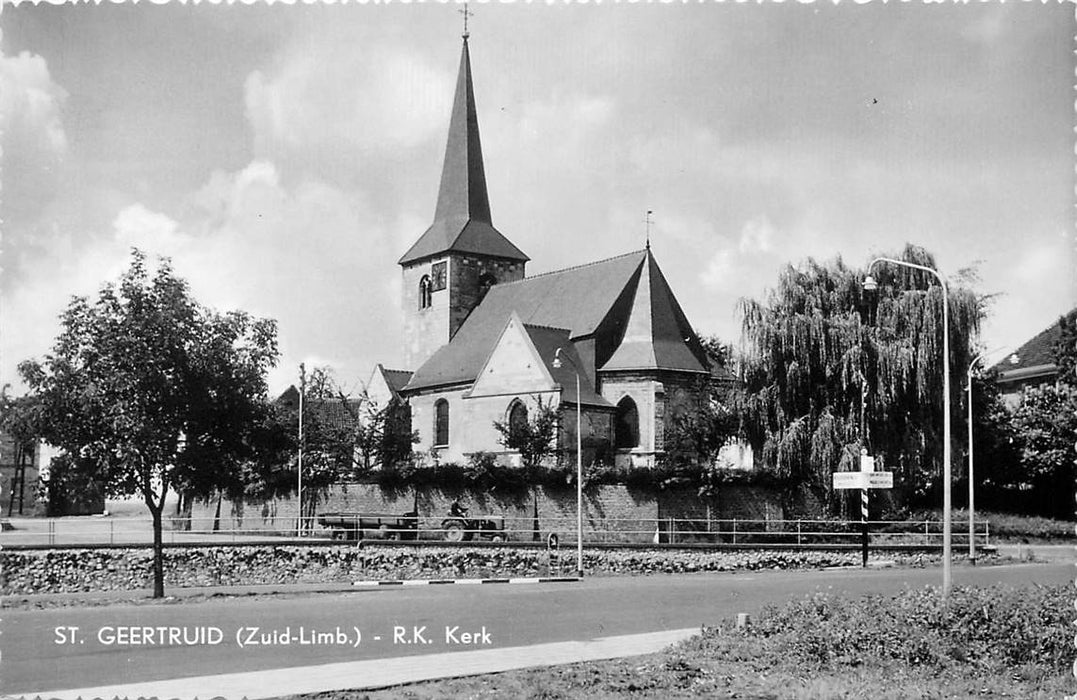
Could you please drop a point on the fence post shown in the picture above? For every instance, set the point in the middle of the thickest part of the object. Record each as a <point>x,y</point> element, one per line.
<point>734,530</point>
<point>798,531</point>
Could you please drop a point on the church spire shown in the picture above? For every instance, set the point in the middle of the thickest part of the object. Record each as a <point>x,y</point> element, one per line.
<point>463,179</point>
<point>462,216</point>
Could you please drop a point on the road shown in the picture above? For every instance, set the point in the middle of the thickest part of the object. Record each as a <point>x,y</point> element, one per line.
<point>84,647</point>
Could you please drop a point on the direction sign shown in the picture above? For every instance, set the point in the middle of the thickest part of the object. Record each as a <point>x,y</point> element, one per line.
<point>849,480</point>
<point>863,480</point>
<point>880,480</point>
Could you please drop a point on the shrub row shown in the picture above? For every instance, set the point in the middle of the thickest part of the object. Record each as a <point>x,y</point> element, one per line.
<point>56,571</point>
<point>993,629</point>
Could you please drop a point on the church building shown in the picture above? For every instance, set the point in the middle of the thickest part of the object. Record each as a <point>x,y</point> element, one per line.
<point>485,342</point>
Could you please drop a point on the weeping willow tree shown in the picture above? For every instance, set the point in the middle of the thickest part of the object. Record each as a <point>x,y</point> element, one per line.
<point>827,368</point>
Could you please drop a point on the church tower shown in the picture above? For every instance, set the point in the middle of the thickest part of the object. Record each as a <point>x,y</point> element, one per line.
<point>461,255</point>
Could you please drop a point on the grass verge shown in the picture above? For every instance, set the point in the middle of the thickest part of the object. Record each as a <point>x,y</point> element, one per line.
<point>996,642</point>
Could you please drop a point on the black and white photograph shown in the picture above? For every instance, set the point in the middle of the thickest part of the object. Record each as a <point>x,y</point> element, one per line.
<point>400,350</point>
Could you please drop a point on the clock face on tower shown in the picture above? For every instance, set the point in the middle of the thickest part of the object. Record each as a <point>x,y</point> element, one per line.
<point>437,276</point>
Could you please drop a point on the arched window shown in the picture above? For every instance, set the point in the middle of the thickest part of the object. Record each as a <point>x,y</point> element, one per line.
<point>441,423</point>
<point>426,293</point>
<point>517,417</point>
<point>626,429</point>
<point>486,280</point>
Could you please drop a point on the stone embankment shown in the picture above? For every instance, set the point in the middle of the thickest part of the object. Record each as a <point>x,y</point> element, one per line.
<point>70,570</point>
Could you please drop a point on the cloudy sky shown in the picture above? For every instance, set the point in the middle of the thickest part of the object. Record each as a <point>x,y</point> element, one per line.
<point>284,157</point>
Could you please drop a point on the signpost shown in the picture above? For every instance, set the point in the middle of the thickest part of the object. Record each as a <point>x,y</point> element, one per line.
<point>865,479</point>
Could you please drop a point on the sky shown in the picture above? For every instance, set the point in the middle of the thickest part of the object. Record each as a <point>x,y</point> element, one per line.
<point>285,157</point>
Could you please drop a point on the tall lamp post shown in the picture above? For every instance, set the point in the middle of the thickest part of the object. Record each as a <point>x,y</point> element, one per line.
<point>871,285</point>
<point>299,489</point>
<point>557,363</point>
<point>972,511</point>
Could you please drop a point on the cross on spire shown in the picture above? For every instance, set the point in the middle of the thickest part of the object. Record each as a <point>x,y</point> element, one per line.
<point>466,13</point>
<point>647,219</point>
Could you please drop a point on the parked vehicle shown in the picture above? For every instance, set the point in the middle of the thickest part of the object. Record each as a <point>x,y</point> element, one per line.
<point>354,526</point>
<point>460,528</point>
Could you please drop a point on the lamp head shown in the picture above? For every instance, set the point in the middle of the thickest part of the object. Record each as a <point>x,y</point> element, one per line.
<point>870,285</point>
<point>557,359</point>
<point>1014,359</point>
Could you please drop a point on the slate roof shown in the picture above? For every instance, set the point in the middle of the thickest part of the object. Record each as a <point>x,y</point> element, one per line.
<point>657,334</point>
<point>576,300</point>
<point>331,411</point>
<point>397,379</point>
<point>462,221</point>
<point>547,341</point>
<point>1036,354</point>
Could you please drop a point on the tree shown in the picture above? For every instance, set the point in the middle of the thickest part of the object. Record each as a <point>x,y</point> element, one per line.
<point>699,427</point>
<point>344,438</point>
<point>382,435</point>
<point>533,436</point>
<point>1046,422</point>
<point>147,390</point>
<point>1065,349</point>
<point>826,368</point>
<point>20,423</point>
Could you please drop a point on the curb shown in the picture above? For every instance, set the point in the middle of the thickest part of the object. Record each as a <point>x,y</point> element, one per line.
<point>466,581</point>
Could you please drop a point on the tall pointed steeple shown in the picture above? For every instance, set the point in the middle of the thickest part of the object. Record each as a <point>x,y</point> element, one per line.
<point>462,220</point>
<point>463,179</point>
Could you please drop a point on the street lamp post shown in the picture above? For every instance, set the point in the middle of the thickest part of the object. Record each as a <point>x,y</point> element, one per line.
<point>579,462</point>
<point>299,488</point>
<point>972,511</point>
<point>870,285</point>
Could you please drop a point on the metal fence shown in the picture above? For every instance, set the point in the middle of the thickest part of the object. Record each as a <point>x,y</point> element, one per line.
<point>95,530</point>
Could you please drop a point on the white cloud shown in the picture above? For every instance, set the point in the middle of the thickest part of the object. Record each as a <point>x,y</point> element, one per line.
<point>152,232</point>
<point>718,274</point>
<point>757,236</point>
<point>32,137</point>
<point>337,96</point>
<point>309,255</point>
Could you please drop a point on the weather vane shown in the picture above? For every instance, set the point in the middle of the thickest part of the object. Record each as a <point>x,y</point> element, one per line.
<point>466,13</point>
<point>647,220</point>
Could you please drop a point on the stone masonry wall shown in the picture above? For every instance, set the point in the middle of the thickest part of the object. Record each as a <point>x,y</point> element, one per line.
<point>611,513</point>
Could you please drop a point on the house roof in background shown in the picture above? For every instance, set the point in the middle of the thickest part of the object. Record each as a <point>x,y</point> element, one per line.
<point>1035,358</point>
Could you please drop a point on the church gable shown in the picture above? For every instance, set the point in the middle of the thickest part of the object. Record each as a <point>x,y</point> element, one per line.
<point>514,365</point>
<point>577,299</point>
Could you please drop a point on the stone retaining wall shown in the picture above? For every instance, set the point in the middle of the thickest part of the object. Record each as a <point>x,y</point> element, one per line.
<point>57,571</point>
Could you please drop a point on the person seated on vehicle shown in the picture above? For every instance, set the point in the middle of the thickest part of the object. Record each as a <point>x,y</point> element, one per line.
<point>457,511</point>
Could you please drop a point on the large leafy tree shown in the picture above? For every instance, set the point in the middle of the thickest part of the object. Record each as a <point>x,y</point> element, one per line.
<point>1065,349</point>
<point>1045,423</point>
<point>146,390</point>
<point>826,368</point>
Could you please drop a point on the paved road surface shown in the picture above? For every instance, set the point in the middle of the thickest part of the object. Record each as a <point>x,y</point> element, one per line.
<point>42,652</point>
